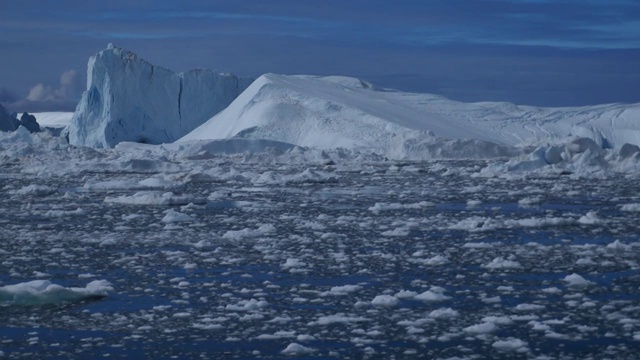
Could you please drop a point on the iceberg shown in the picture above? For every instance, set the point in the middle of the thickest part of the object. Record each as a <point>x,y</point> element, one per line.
<point>129,99</point>
<point>341,112</point>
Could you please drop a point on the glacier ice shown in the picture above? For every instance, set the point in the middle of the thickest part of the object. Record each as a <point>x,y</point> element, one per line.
<point>129,99</point>
<point>341,112</point>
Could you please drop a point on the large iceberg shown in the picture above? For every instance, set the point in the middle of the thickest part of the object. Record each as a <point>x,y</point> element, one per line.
<point>129,99</point>
<point>341,112</point>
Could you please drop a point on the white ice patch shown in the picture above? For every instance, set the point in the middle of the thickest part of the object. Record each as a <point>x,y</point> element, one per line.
<point>475,224</point>
<point>443,314</point>
<point>41,292</point>
<point>337,319</point>
<point>511,344</point>
<point>575,280</point>
<point>432,295</point>
<point>479,329</point>
<point>154,198</point>
<point>174,216</point>
<point>630,207</point>
<point>34,190</point>
<point>249,233</point>
<point>297,349</point>
<point>248,305</point>
<point>501,263</point>
<point>343,290</point>
<point>591,218</point>
<point>385,301</point>
<point>396,206</point>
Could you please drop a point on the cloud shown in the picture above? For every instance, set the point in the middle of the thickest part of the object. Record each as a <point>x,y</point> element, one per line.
<point>46,98</point>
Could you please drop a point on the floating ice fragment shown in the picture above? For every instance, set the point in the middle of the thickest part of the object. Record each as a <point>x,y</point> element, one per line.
<point>40,292</point>
<point>630,207</point>
<point>337,319</point>
<point>511,344</point>
<point>406,294</point>
<point>432,295</point>
<point>501,263</point>
<point>484,328</point>
<point>385,301</point>
<point>345,289</point>
<point>297,349</point>
<point>575,280</point>
<point>591,218</point>
<point>174,216</point>
<point>248,233</point>
<point>154,198</point>
<point>35,190</point>
<point>396,206</point>
<point>529,307</point>
<point>443,313</point>
<point>293,263</point>
<point>248,305</point>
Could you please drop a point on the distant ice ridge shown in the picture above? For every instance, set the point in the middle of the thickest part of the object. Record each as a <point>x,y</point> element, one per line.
<point>339,112</point>
<point>129,99</point>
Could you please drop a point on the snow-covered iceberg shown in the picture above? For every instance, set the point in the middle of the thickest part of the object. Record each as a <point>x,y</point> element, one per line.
<point>42,292</point>
<point>341,112</point>
<point>129,99</point>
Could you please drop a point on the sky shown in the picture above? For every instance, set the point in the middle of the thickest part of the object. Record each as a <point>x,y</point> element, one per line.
<point>529,52</point>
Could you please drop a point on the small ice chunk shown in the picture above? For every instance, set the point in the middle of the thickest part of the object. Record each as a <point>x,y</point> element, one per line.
<point>297,349</point>
<point>479,329</point>
<point>174,216</point>
<point>501,263</point>
<point>385,301</point>
<point>345,289</point>
<point>575,280</point>
<point>591,218</point>
<point>41,292</point>
<point>511,344</point>
<point>293,263</point>
<point>435,294</point>
<point>443,313</point>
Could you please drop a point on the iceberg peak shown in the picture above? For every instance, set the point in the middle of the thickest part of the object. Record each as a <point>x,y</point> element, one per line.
<point>129,99</point>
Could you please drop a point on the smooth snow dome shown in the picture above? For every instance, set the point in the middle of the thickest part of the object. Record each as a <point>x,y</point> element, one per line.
<point>341,112</point>
<point>129,99</point>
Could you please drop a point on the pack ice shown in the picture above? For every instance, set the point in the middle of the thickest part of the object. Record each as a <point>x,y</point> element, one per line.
<point>129,99</point>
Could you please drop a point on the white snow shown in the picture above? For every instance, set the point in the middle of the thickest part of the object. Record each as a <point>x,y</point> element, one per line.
<point>129,99</point>
<point>332,112</point>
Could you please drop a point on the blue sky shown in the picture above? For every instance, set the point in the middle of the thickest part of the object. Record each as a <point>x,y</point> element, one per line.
<point>537,52</point>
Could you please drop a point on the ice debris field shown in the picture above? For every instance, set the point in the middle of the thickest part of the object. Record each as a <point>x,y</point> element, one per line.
<point>319,218</point>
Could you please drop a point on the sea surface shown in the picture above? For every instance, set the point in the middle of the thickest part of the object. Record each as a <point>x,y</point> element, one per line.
<point>385,260</point>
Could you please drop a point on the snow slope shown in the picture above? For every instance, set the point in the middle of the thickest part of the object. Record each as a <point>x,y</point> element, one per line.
<point>332,112</point>
<point>129,99</point>
<point>54,119</point>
